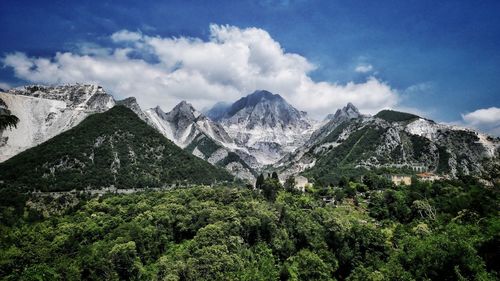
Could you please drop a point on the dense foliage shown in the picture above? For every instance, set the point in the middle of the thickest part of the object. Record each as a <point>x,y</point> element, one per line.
<point>342,159</point>
<point>7,120</point>
<point>110,148</point>
<point>395,116</point>
<point>208,146</point>
<point>367,230</point>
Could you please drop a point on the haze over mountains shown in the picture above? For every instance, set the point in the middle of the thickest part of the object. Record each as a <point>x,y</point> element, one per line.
<point>262,131</point>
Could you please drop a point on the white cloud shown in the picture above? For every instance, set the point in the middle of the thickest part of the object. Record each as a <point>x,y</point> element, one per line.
<point>232,63</point>
<point>125,35</point>
<point>487,120</point>
<point>364,68</point>
<point>5,86</point>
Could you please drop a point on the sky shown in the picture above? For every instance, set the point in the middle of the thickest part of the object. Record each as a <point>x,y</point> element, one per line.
<point>438,59</point>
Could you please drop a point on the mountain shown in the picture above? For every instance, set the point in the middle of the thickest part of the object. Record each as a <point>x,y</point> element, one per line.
<point>46,111</point>
<point>300,159</point>
<point>217,111</point>
<point>346,113</point>
<point>114,148</point>
<point>184,123</point>
<point>204,138</point>
<point>394,140</point>
<point>265,125</point>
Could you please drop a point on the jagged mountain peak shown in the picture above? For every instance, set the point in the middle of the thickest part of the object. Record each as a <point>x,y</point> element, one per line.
<point>263,94</point>
<point>183,112</point>
<point>254,99</point>
<point>347,112</point>
<point>264,124</point>
<point>131,102</point>
<point>264,109</point>
<point>184,123</point>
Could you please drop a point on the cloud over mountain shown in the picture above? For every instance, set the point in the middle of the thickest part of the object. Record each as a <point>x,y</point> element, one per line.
<point>231,63</point>
<point>487,119</point>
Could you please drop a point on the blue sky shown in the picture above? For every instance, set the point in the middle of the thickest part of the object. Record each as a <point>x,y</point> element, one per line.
<point>439,58</point>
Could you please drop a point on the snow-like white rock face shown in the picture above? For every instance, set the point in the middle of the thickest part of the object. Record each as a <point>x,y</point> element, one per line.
<point>425,128</point>
<point>46,111</point>
<point>434,131</point>
<point>199,154</point>
<point>265,125</point>
<point>184,124</point>
<point>192,130</point>
<point>218,155</point>
<point>492,147</point>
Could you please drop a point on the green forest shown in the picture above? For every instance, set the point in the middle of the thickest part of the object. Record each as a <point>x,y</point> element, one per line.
<point>364,229</point>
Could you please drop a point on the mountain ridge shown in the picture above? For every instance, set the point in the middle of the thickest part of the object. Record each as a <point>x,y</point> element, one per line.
<point>113,148</point>
<point>258,132</point>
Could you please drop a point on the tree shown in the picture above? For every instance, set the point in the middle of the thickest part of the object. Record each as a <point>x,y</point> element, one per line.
<point>270,188</point>
<point>290,183</point>
<point>259,182</point>
<point>125,260</point>
<point>306,265</point>
<point>275,176</point>
<point>8,121</point>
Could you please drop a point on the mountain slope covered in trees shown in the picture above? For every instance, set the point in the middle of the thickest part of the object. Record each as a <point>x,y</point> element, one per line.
<point>393,140</point>
<point>368,230</point>
<point>110,148</point>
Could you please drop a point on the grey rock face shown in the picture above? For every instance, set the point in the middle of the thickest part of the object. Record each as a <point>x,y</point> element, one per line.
<point>346,113</point>
<point>265,125</point>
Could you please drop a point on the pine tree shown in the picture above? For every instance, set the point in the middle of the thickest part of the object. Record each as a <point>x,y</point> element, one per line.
<point>275,176</point>
<point>259,182</point>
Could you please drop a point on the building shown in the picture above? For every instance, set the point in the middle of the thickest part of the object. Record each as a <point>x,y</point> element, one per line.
<point>400,179</point>
<point>301,182</point>
<point>427,176</point>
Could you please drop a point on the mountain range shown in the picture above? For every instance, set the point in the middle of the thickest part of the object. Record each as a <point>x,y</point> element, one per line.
<point>114,148</point>
<point>263,132</point>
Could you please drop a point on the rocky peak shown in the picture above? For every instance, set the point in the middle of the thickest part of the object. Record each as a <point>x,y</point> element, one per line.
<point>266,110</point>
<point>346,113</point>
<point>183,111</point>
<point>131,102</point>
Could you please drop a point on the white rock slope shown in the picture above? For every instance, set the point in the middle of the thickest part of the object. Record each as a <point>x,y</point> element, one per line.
<point>46,111</point>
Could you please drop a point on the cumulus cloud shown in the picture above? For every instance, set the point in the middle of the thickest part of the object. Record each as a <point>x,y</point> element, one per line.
<point>125,35</point>
<point>233,62</point>
<point>487,120</point>
<point>5,86</point>
<point>364,68</point>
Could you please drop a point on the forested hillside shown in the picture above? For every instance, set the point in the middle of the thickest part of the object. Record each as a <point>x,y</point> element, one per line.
<point>367,230</point>
<point>111,148</point>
